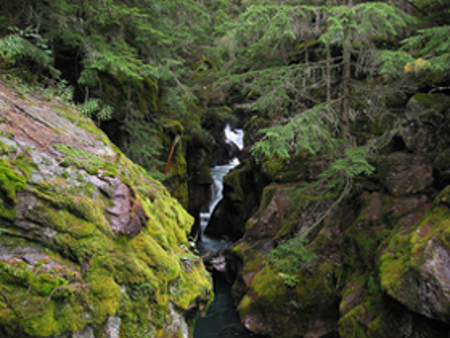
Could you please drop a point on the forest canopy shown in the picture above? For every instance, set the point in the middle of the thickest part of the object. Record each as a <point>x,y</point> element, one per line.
<point>308,67</point>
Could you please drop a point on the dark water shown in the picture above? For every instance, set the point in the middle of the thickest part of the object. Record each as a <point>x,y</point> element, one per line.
<point>221,313</point>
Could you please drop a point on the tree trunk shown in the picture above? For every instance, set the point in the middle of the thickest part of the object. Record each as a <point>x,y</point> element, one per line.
<point>174,144</point>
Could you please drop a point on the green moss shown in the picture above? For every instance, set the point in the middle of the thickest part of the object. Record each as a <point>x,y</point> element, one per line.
<point>430,100</point>
<point>10,181</point>
<point>443,197</point>
<point>5,149</point>
<point>40,301</point>
<point>87,161</point>
<point>176,183</point>
<point>105,294</point>
<point>173,126</point>
<point>192,282</point>
<point>286,170</point>
<point>154,267</point>
<point>405,248</point>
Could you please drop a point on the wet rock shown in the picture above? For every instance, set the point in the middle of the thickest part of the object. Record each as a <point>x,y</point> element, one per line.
<point>225,153</point>
<point>242,190</point>
<point>199,184</point>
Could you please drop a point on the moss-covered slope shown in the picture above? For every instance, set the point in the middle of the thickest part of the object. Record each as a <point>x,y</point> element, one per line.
<point>88,241</point>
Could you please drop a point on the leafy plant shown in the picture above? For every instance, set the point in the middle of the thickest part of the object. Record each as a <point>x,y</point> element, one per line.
<point>289,259</point>
<point>95,108</point>
<point>373,285</point>
<point>27,43</point>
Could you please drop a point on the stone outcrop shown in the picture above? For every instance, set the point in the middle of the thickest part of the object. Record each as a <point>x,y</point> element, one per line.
<point>375,266</point>
<point>90,245</point>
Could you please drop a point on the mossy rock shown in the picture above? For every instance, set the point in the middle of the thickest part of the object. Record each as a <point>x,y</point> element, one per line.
<point>379,316</point>
<point>64,267</point>
<point>285,171</point>
<point>423,102</point>
<point>413,265</point>
<point>272,308</point>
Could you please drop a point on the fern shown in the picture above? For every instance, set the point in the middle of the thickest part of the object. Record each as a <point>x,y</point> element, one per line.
<point>289,259</point>
<point>95,108</point>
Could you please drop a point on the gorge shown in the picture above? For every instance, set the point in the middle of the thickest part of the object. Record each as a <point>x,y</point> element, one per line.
<point>221,312</point>
<point>113,128</point>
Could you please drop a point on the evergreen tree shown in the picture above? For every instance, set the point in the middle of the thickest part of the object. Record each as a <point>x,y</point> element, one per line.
<point>137,57</point>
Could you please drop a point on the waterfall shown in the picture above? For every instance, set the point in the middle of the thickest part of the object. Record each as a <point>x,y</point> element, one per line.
<point>207,244</point>
<point>222,311</point>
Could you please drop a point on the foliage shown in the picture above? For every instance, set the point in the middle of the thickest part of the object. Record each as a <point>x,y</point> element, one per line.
<point>289,259</point>
<point>95,108</point>
<point>120,56</point>
<point>432,42</point>
<point>26,43</point>
<point>142,143</point>
<point>351,165</point>
<point>306,132</point>
<point>363,22</point>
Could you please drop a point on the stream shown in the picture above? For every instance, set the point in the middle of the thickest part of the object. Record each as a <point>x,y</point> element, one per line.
<point>221,313</point>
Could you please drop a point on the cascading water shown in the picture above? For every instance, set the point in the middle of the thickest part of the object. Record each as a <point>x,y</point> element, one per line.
<point>221,312</point>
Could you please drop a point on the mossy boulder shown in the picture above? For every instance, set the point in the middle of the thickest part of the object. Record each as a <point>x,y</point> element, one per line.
<point>89,243</point>
<point>269,303</point>
<point>282,207</point>
<point>414,266</point>
<point>295,169</point>
<point>276,305</point>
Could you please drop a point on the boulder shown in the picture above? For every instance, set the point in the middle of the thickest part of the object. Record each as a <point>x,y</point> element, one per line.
<point>90,245</point>
<point>414,266</point>
<point>426,119</point>
<point>403,173</point>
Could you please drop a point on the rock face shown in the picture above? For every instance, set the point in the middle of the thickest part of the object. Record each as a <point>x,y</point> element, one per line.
<point>241,197</point>
<point>376,266</point>
<point>90,245</point>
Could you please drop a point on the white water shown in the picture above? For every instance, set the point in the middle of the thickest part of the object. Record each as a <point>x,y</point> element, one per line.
<point>235,135</point>
<point>208,244</point>
<point>222,311</point>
